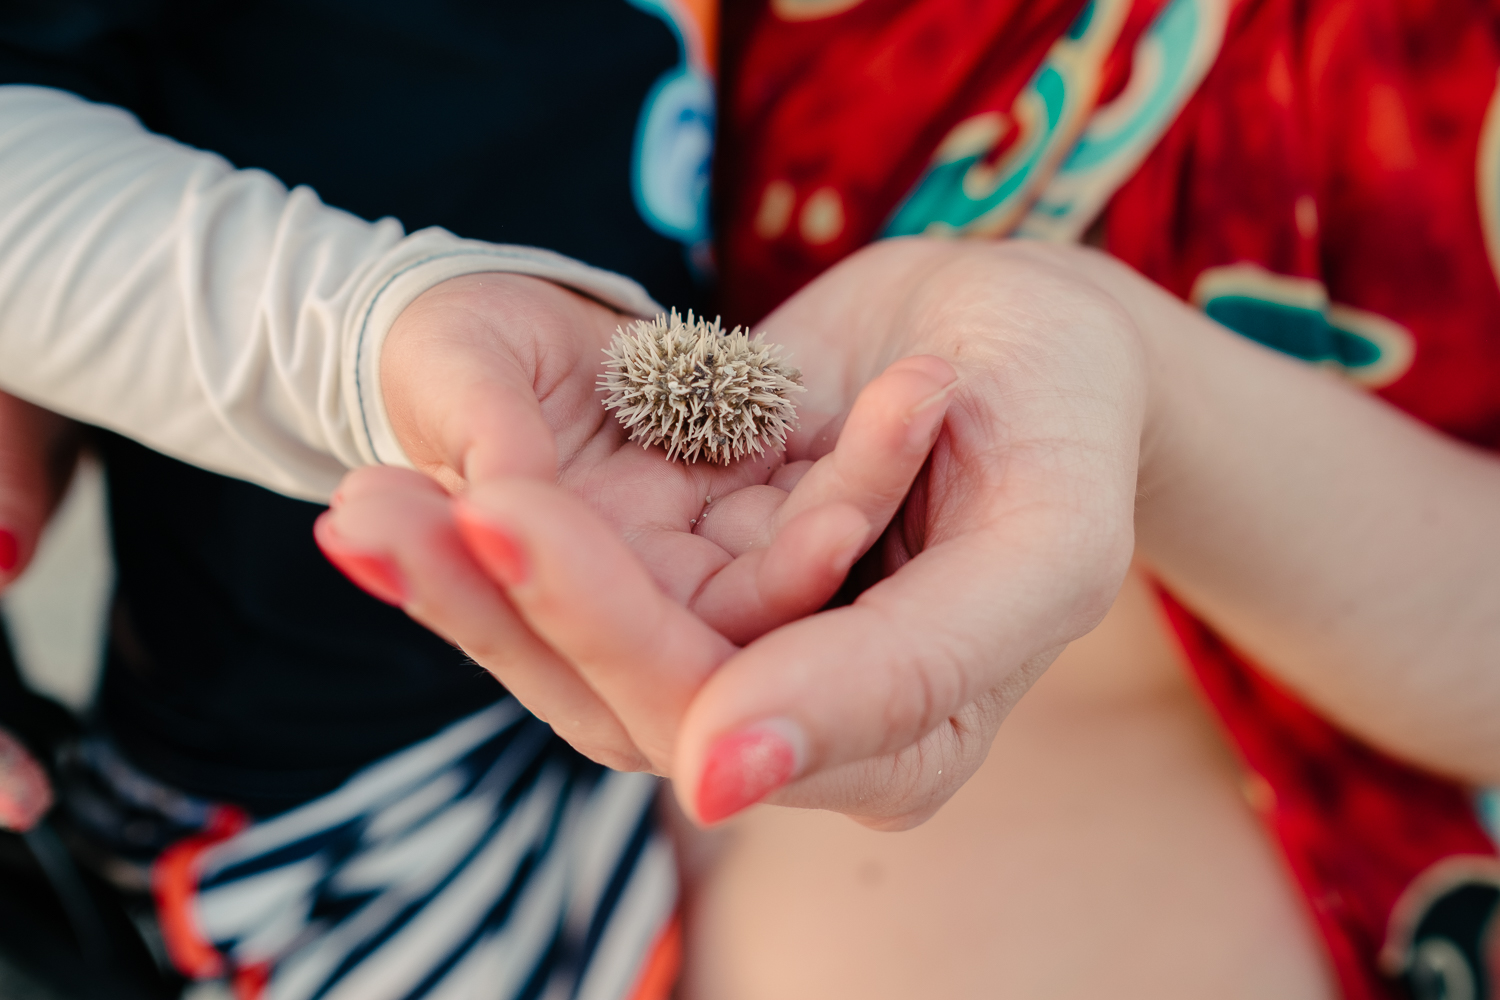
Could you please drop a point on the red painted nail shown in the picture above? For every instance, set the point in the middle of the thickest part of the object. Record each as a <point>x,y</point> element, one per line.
<point>497,550</point>
<point>376,575</point>
<point>10,550</point>
<point>742,769</point>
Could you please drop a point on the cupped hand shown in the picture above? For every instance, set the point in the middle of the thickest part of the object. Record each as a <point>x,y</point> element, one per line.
<point>493,378</point>
<point>1012,542</point>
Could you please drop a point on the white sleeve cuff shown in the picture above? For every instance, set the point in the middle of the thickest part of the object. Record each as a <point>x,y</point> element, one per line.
<point>209,312</point>
<point>421,261</point>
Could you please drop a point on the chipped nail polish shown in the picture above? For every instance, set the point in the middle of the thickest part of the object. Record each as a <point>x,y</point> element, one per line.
<point>743,768</point>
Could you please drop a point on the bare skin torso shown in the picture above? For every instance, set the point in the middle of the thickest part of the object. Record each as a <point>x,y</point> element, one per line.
<point>1104,849</point>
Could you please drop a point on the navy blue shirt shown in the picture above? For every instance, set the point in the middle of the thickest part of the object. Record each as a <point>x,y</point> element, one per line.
<point>241,665</point>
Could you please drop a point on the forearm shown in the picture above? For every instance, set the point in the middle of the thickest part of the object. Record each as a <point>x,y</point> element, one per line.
<point>152,288</point>
<point>1350,550</point>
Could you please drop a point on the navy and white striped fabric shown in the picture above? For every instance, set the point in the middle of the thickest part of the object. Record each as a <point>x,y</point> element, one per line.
<point>490,860</point>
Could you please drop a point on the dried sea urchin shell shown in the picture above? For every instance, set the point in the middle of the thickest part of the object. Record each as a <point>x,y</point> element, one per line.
<point>699,391</point>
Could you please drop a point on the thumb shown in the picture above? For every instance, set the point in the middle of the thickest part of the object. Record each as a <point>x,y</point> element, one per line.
<point>468,366</point>
<point>930,658</point>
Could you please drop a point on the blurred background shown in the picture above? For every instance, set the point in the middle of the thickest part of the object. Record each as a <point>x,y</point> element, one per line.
<point>55,618</point>
<point>55,613</point>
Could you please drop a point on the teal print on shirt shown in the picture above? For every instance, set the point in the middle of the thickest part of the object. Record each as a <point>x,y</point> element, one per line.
<point>1165,49</point>
<point>948,196</point>
<point>1303,333</point>
<point>674,137</point>
<point>967,187</point>
<point>1169,61</point>
<point>1294,316</point>
<point>973,188</point>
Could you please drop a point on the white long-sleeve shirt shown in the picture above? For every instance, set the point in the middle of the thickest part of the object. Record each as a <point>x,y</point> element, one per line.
<point>208,312</point>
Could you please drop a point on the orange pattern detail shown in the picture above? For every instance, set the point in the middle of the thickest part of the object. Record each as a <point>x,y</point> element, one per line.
<point>174,883</point>
<point>659,971</point>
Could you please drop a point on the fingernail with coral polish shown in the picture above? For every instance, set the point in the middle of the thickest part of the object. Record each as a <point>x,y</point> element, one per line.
<point>497,550</point>
<point>744,767</point>
<point>376,575</point>
<point>10,550</point>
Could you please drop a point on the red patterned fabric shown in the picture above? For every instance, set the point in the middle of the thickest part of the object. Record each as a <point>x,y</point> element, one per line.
<point>1374,109</point>
<point>855,105</point>
<point>1373,113</point>
<point>1326,190</point>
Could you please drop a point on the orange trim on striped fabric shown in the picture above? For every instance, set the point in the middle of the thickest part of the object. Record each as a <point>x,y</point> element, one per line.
<point>660,969</point>
<point>250,982</point>
<point>174,883</point>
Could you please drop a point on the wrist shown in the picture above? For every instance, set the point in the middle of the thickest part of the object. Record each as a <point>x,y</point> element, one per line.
<point>1158,318</point>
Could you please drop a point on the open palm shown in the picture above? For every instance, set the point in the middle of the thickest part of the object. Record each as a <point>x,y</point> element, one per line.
<point>492,379</point>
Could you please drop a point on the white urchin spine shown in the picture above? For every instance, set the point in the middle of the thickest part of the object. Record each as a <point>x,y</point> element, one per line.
<point>700,392</point>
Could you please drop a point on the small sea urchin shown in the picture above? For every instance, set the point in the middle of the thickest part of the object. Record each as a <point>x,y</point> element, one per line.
<point>700,392</point>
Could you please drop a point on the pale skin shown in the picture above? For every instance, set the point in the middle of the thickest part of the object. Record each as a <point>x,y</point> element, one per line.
<point>1080,388</point>
<point>1070,369</point>
<point>1027,520</point>
<point>519,359</point>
